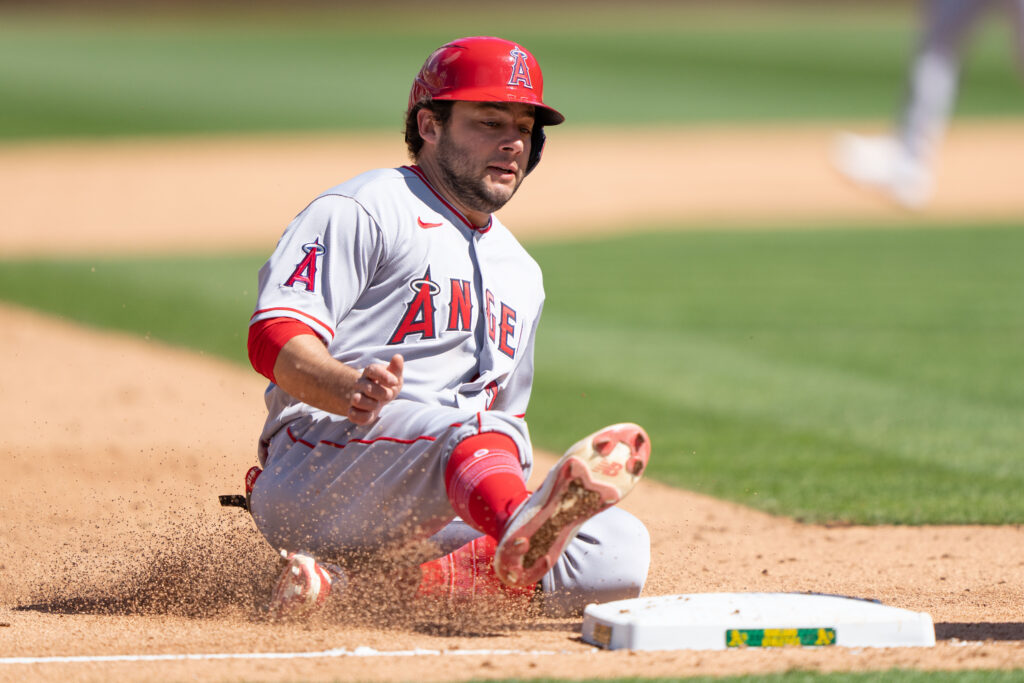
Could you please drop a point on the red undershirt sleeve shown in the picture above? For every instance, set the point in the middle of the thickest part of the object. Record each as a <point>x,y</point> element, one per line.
<point>268,337</point>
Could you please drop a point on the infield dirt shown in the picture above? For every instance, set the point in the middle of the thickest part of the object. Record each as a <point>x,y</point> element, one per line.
<point>116,447</point>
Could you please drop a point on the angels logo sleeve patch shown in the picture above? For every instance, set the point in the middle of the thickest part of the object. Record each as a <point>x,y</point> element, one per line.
<point>305,272</point>
<point>306,279</point>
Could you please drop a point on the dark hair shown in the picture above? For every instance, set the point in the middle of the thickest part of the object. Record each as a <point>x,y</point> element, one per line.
<point>442,110</point>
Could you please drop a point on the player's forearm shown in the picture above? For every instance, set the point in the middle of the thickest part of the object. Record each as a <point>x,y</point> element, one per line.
<point>308,372</point>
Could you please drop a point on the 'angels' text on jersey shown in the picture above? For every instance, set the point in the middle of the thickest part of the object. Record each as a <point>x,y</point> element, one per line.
<point>420,314</point>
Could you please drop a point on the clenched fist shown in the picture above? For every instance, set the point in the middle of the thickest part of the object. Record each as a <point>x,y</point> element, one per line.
<point>378,385</point>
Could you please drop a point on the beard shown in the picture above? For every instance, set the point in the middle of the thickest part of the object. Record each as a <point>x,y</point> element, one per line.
<point>465,182</point>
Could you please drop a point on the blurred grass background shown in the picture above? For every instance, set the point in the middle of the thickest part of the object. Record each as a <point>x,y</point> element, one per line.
<point>68,71</point>
<point>839,375</point>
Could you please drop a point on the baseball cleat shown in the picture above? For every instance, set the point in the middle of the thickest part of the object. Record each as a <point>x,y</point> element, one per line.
<point>593,475</point>
<point>882,163</point>
<point>302,587</point>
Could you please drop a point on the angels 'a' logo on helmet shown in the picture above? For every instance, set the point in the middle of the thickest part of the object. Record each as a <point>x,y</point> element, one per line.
<point>520,69</point>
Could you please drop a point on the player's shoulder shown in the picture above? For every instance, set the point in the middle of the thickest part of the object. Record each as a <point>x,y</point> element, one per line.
<point>372,185</point>
<point>367,194</point>
<point>497,232</point>
<point>500,238</point>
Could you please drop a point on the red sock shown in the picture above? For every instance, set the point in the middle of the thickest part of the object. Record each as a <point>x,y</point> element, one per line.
<point>484,481</point>
<point>468,573</point>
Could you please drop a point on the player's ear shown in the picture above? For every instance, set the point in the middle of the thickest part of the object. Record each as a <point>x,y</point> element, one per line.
<point>428,124</point>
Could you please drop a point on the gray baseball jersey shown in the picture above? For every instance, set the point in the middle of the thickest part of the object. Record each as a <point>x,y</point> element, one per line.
<point>383,264</point>
<point>379,265</point>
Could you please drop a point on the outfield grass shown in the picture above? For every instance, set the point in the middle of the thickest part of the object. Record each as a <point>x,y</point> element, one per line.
<point>889,676</point>
<point>835,375</point>
<point>64,74</point>
<point>200,302</point>
<point>863,376</point>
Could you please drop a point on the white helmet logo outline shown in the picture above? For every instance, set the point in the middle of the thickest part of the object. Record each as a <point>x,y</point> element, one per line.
<point>520,69</point>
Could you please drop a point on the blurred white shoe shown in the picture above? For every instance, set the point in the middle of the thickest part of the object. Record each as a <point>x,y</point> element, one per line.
<point>881,163</point>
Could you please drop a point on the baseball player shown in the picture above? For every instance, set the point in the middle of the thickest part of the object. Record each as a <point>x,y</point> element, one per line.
<point>901,164</point>
<point>396,321</point>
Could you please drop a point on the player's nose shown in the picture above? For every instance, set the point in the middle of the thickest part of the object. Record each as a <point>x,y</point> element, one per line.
<point>514,142</point>
<point>514,146</point>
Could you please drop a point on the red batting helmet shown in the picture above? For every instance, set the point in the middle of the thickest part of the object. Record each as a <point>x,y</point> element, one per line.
<point>486,69</point>
<point>483,69</point>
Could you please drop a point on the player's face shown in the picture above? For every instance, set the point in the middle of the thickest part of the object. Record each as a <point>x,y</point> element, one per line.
<point>482,152</point>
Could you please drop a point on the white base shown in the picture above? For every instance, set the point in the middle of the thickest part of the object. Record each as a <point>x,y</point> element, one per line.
<point>718,621</point>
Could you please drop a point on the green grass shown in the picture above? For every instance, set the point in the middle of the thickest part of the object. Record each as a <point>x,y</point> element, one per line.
<point>889,676</point>
<point>65,74</point>
<point>199,302</point>
<point>863,376</point>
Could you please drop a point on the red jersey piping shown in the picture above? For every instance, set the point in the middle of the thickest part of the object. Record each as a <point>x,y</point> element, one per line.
<point>327,328</point>
<point>425,437</point>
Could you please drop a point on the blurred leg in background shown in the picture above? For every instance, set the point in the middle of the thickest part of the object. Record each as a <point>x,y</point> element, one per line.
<point>902,164</point>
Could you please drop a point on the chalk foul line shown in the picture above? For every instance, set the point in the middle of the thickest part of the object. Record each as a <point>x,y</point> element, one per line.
<point>338,652</point>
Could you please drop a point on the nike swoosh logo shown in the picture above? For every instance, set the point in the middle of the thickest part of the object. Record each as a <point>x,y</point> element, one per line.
<point>425,225</point>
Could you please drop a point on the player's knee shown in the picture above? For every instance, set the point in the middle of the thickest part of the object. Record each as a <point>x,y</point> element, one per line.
<point>628,556</point>
<point>608,560</point>
<point>497,422</point>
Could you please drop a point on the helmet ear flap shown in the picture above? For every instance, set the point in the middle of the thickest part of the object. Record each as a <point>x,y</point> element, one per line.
<point>536,148</point>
